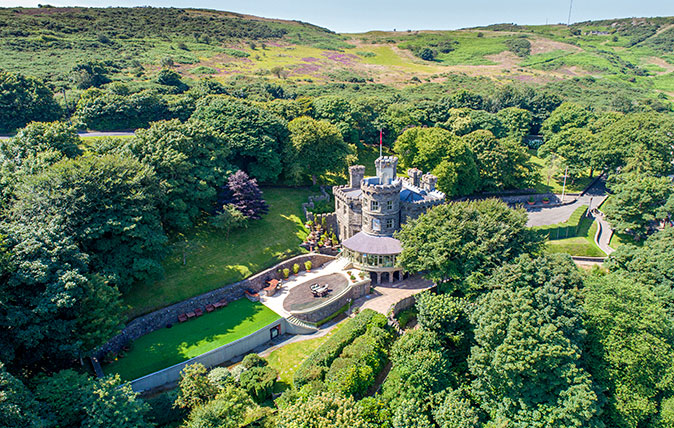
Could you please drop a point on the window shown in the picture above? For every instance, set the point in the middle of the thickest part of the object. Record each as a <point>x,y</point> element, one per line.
<point>374,206</point>
<point>376,224</point>
<point>336,205</point>
<point>389,205</point>
<point>389,223</point>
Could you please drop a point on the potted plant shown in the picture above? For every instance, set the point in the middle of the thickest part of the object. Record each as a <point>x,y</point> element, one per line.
<point>530,201</point>
<point>296,268</point>
<point>361,274</point>
<point>307,265</point>
<point>286,272</point>
<point>546,200</point>
<point>353,278</point>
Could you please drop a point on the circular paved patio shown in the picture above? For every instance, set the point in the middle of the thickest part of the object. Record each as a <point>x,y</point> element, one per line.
<point>300,297</point>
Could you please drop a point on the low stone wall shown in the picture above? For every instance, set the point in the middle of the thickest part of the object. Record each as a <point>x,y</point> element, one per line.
<point>210,358</point>
<point>314,198</point>
<point>401,305</point>
<point>355,291</point>
<point>169,315</point>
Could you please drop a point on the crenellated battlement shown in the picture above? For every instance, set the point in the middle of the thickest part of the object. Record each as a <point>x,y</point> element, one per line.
<point>375,187</point>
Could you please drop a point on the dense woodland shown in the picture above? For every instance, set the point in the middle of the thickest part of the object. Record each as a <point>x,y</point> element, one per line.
<point>512,337</point>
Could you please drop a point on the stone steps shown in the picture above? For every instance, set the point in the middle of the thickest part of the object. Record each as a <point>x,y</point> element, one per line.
<point>299,323</point>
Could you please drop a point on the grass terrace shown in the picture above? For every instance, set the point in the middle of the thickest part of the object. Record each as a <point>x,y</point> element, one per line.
<point>575,236</point>
<point>213,259</point>
<point>168,346</point>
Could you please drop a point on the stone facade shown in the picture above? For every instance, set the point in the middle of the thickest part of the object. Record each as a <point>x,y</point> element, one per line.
<point>379,205</point>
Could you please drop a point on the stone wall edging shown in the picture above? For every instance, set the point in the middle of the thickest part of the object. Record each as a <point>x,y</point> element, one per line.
<point>357,290</point>
<point>209,359</point>
<point>169,315</point>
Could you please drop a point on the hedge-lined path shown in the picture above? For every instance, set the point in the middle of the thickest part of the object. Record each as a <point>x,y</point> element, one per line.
<point>386,295</point>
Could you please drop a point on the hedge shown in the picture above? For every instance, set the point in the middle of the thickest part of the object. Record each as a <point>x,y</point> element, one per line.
<point>316,365</point>
<point>356,369</point>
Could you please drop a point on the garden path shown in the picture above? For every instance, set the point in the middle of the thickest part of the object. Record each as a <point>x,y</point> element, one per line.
<point>593,197</point>
<point>386,295</point>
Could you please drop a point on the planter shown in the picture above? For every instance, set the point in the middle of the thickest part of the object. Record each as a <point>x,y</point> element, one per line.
<point>530,202</point>
<point>546,201</point>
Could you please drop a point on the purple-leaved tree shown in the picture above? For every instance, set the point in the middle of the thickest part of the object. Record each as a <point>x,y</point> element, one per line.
<point>244,193</point>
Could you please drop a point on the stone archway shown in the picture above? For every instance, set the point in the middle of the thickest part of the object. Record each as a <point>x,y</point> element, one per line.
<point>386,277</point>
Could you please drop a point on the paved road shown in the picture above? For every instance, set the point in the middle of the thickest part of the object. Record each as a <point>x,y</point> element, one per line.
<point>604,235</point>
<point>90,134</point>
<point>542,216</point>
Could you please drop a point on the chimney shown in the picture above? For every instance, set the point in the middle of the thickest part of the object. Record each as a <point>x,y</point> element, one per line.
<point>415,176</point>
<point>356,174</point>
<point>428,182</point>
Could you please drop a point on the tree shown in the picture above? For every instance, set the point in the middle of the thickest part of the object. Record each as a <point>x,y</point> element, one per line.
<point>168,77</point>
<point>55,309</point>
<point>640,142</point>
<point>318,147</point>
<point>451,242</point>
<point>190,163</point>
<point>243,193</point>
<point>115,405</point>
<point>17,405</point>
<point>576,146</point>
<point>258,382</point>
<point>228,219</point>
<point>636,202</point>
<point>651,264</point>
<point>322,410</point>
<point>501,164</point>
<point>525,362</point>
<point>517,122</point>
<point>108,206</point>
<point>446,316</point>
<point>456,410</point>
<point>90,74</point>
<point>63,397</point>
<point>227,410</point>
<point>457,173</point>
<point>195,387</point>
<point>258,140</point>
<point>631,348</point>
<point>566,116</point>
<point>24,100</point>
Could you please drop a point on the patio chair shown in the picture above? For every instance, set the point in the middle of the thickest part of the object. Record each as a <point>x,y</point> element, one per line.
<point>198,312</point>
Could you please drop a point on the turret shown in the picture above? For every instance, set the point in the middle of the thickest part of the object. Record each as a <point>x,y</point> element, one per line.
<point>415,176</point>
<point>428,182</point>
<point>386,168</point>
<point>356,174</point>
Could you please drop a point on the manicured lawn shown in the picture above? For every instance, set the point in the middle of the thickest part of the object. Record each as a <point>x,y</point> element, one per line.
<point>288,358</point>
<point>581,243</point>
<point>214,259</point>
<point>168,346</point>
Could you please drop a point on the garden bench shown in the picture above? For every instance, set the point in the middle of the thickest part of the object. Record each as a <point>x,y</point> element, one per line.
<point>220,304</point>
<point>198,312</point>
<point>191,315</point>
<point>182,317</point>
<point>210,308</point>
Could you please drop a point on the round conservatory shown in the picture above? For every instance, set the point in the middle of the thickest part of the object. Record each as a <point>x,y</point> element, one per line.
<point>375,254</point>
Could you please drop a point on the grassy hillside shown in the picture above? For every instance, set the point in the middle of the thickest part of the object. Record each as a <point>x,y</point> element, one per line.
<point>630,57</point>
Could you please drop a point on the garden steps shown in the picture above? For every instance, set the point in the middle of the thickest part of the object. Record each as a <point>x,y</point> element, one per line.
<point>302,324</point>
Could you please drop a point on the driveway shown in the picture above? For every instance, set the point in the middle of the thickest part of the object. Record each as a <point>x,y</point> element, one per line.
<point>542,216</point>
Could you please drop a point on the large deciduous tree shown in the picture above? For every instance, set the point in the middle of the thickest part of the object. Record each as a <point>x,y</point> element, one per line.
<point>566,116</point>
<point>502,164</point>
<point>457,240</point>
<point>637,201</point>
<point>257,139</point>
<point>631,348</point>
<point>17,404</point>
<point>24,100</point>
<point>318,147</point>
<point>190,163</point>
<point>525,364</point>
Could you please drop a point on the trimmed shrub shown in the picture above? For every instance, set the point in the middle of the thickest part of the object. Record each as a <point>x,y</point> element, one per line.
<point>296,268</point>
<point>307,265</point>
<point>162,412</point>
<point>316,365</point>
<point>253,360</point>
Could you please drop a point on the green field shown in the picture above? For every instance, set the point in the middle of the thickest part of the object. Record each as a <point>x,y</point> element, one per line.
<point>214,259</point>
<point>168,346</point>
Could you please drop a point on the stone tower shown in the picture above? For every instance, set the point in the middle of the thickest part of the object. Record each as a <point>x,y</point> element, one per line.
<point>381,199</point>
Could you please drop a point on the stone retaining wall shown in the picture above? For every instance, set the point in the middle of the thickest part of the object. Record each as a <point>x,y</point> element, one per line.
<point>211,358</point>
<point>355,291</point>
<point>169,315</point>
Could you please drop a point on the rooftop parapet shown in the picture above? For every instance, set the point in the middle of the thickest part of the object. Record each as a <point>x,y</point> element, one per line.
<point>356,174</point>
<point>387,167</point>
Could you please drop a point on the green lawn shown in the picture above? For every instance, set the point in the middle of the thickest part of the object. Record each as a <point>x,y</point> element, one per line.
<point>580,231</point>
<point>288,358</point>
<point>214,260</point>
<point>168,346</point>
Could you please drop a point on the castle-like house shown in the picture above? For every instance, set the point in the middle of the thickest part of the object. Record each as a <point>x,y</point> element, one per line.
<point>370,209</point>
